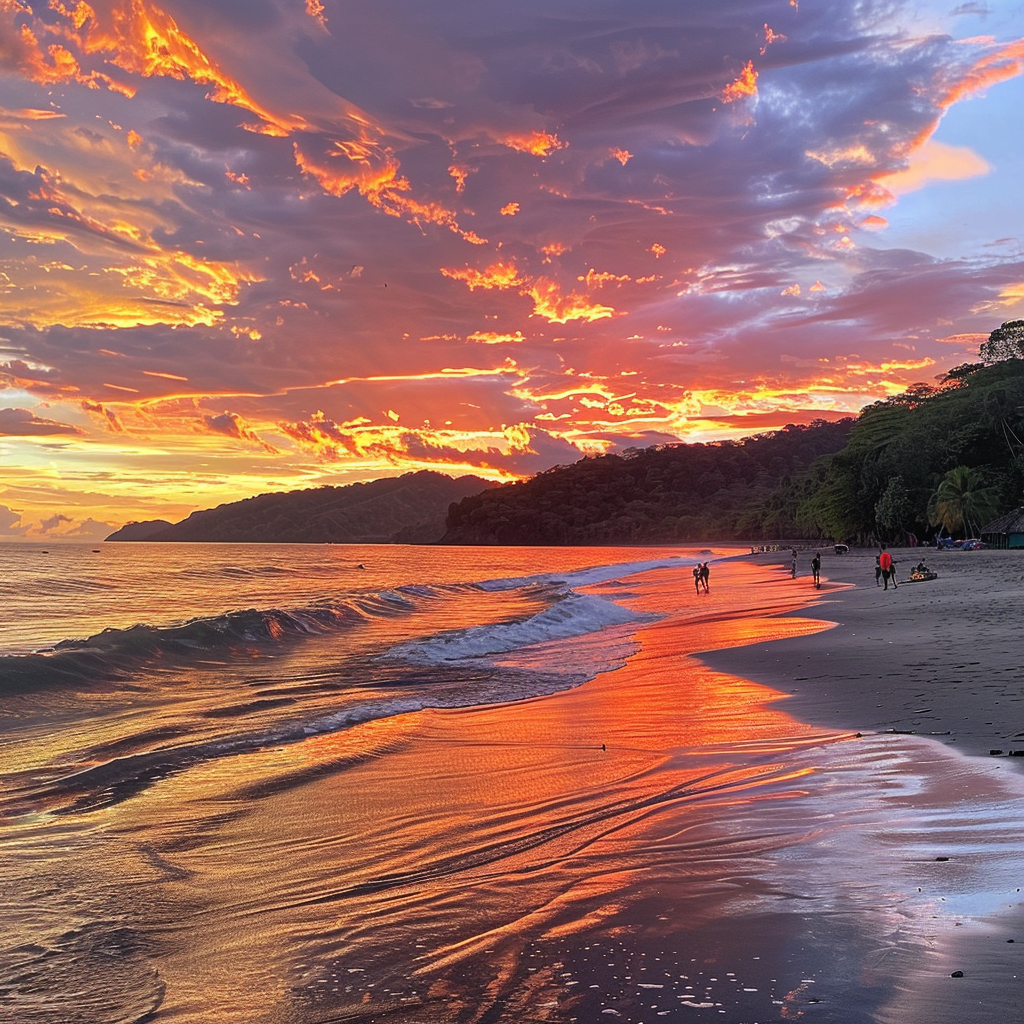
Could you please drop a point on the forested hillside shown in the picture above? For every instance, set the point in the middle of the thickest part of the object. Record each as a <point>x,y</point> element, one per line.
<point>938,458</point>
<point>409,508</point>
<point>722,490</point>
<point>944,458</point>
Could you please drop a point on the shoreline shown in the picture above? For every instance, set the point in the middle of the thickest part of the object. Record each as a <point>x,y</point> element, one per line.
<point>938,659</point>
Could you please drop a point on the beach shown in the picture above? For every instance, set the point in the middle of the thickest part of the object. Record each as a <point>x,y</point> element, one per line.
<point>594,794</point>
<point>940,658</point>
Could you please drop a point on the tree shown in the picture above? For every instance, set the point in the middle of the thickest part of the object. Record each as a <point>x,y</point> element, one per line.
<point>962,501</point>
<point>894,508</point>
<point>1005,342</point>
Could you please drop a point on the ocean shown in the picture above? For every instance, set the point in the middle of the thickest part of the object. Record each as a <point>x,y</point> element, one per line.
<point>301,784</point>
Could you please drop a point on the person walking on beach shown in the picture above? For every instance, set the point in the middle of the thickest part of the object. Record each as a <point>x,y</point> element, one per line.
<point>794,563</point>
<point>705,575</point>
<point>816,569</point>
<point>885,562</point>
<point>696,577</point>
<point>878,571</point>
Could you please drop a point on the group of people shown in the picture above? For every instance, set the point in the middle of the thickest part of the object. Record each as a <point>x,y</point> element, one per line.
<point>701,575</point>
<point>815,567</point>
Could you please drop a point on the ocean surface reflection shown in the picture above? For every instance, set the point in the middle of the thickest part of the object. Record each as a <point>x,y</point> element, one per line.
<point>660,841</point>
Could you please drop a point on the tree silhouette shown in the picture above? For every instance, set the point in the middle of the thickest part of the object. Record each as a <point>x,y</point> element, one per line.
<point>962,501</point>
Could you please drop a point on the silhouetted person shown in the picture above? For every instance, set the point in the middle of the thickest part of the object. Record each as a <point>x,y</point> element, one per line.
<point>878,571</point>
<point>705,575</point>
<point>696,577</point>
<point>794,563</point>
<point>816,568</point>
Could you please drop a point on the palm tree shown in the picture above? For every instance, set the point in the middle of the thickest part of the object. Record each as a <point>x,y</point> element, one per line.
<point>962,501</point>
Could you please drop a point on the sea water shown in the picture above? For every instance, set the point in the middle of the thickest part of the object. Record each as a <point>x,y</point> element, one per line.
<point>295,784</point>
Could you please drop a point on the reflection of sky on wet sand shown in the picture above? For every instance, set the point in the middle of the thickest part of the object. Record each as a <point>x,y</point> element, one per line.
<point>491,889</point>
<point>496,864</point>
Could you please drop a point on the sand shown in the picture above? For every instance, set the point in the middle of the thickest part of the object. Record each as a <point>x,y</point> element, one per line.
<point>939,661</point>
<point>939,658</point>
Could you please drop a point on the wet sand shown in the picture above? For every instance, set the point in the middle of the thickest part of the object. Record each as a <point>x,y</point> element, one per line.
<point>668,841</point>
<point>940,658</point>
<point>937,660</point>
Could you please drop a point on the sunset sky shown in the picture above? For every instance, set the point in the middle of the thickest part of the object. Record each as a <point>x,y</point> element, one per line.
<point>257,245</point>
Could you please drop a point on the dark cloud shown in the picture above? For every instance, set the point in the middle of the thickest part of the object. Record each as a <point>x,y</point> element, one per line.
<point>25,423</point>
<point>233,425</point>
<point>51,523</point>
<point>11,523</point>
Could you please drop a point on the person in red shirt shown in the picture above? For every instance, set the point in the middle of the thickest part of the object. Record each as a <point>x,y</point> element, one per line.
<point>888,569</point>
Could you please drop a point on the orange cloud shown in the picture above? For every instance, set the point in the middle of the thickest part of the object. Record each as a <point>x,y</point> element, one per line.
<point>744,85</point>
<point>510,210</point>
<point>771,37</point>
<point>1005,63</point>
<point>594,279</point>
<point>492,338</point>
<point>372,177</point>
<point>858,154</point>
<point>497,275</point>
<point>537,143</point>
<point>935,161</point>
<point>556,308</point>
<point>460,174</point>
<point>622,155</point>
<point>874,223</point>
<point>109,416</point>
<point>553,249</point>
<point>144,40</point>
<point>315,9</point>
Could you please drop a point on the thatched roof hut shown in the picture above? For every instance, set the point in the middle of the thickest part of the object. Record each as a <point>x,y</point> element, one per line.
<point>1005,532</point>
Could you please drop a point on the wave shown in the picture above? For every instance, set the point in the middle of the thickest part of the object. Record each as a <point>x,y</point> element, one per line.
<point>585,577</point>
<point>572,615</point>
<point>114,653</point>
<point>115,772</point>
<point>485,664</point>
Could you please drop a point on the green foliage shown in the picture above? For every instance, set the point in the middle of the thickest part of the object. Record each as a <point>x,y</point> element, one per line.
<point>725,490</point>
<point>963,501</point>
<point>409,508</point>
<point>975,419</point>
<point>894,509</point>
<point>861,481</point>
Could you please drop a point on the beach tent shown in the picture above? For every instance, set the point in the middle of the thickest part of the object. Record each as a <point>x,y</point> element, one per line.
<point>1005,532</point>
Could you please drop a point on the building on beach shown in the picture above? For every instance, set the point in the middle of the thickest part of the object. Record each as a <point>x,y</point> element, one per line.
<point>1005,532</point>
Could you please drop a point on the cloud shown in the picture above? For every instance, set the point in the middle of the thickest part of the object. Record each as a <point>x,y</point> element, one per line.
<point>232,425</point>
<point>935,161</point>
<point>51,523</point>
<point>11,524</point>
<point>315,239</point>
<point>25,423</point>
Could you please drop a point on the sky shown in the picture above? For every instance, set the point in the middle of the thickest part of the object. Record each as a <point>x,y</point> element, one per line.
<point>262,245</point>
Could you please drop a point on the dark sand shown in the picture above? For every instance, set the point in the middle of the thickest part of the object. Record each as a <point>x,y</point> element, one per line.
<point>941,658</point>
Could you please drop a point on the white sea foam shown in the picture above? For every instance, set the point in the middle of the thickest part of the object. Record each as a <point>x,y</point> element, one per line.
<point>584,577</point>
<point>573,615</point>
